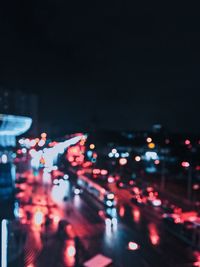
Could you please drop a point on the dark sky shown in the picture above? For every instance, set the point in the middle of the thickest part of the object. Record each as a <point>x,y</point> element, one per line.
<point>115,64</point>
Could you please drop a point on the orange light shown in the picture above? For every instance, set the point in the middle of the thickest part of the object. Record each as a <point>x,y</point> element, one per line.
<point>44,135</point>
<point>151,145</point>
<point>92,146</point>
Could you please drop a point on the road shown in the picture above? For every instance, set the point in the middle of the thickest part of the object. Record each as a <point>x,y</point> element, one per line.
<point>141,225</point>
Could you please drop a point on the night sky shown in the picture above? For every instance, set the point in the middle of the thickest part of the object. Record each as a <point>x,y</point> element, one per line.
<point>104,64</point>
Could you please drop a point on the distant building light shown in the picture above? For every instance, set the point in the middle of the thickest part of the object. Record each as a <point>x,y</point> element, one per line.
<point>167,141</point>
<point>21,141</point>
<point>33,142</point>
<point>89,153</point>
<point>196,186</point>
<point>157,161</point>
<point>149,139</point>
<point>32,152</point>
<point>24,150</point>
<point>114,150</point>
<point>44,135</point>
<point>150,155</point>
<point>96,171</point>
<point>104,172</point>
<point>116,155</point>
<point>41,143</point>
<point>185,164</point>
<point>4,159</point>
<point>110,155</point>
<point>187,142</point>
<point>137,158</point>
<point>125,155</point>
<point>151,145</point>
<point>123,161</point>
<point>92,146</point>
<point>111,179</point>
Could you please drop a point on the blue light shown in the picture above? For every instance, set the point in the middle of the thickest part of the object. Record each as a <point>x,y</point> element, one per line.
<point>12,126</point>
<point>116,155</point>
<point>109,203</point>
<point>89,153</point>
<point>151,155</point>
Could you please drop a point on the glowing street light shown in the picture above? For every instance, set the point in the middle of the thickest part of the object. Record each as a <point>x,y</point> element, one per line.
<point>151,145</point>
<point>123,161</point>
<point>137,158</point>
<point>149,139</point>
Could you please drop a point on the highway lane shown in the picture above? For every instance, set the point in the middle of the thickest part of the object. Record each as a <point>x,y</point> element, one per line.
<point>157,247</point>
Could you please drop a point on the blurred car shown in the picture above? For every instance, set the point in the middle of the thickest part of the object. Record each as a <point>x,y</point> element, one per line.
<point>77,190</point>
<point>65,230</point>
<point>107,218</point>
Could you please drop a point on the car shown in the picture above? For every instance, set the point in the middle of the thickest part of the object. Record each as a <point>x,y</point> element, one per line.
<point>65,230</point>
<point>107,218</point>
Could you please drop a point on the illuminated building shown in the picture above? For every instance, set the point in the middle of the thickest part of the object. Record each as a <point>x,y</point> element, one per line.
<point>10,127</point>
<point>19,103</point>
<point>17,110</point>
